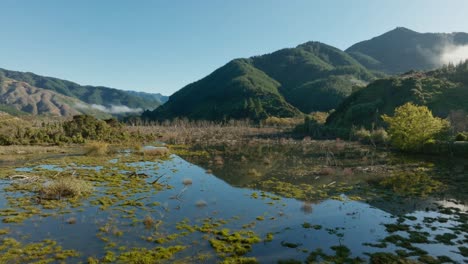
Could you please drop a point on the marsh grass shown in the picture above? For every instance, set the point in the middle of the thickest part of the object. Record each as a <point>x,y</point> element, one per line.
<point>96,148</point>
<point>149,222</point>
<point>65,187</point>
<point>156,152</point>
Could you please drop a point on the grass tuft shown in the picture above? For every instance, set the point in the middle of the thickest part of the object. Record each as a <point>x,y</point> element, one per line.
<point>96,148</point>
<point>65,187</point>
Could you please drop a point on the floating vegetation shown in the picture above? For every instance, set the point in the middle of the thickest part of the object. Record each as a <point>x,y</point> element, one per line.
<point>12,251</point>
<point>412,184</point>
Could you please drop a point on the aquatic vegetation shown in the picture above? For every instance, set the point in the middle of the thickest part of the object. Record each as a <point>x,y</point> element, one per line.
<point>446,238</point>
<point>149,256</point>
<point>412,184</point>
<point>463,251</point>
<point>342,255</point>
<point>63,187</point>
<point>230,244</point>
<point>12,251</point>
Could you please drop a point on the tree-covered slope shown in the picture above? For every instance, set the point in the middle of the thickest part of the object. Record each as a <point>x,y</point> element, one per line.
<point>89,94</point>
<point>442,90</point>
<point>236,90</point>
<point>311,77</point>
<point>402,50</point>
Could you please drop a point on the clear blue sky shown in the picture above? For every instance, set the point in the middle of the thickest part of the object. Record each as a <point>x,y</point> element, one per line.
<point>160,46</point>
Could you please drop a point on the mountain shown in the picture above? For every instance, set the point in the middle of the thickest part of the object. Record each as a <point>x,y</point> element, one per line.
<point>104,98</point>
<point>402,50</point>
<point>443,90</point>
<point>236,90</point>
<point>310,77</point>
<point>154,96</point>
<point>20,98</point>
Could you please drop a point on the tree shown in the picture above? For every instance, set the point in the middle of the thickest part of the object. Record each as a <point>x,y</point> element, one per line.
<point>412,126</point>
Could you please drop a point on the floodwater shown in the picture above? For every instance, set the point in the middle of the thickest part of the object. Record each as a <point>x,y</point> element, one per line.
<point>238,192</point>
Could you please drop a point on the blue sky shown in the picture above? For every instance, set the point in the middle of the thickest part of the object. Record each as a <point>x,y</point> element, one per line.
<point>161,46</point>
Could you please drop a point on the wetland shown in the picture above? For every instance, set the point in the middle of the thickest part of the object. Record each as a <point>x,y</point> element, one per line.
<point>255,200</point>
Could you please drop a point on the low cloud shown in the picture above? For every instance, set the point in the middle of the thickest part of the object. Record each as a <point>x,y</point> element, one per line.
<point>113,109</point>
<point>453,54</point>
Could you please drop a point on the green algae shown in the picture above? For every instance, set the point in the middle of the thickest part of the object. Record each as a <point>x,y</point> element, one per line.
<point>148,256</point>
<point>47,251</point>
<point>412,184</point>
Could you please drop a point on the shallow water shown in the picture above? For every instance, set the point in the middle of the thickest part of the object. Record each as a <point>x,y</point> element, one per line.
<point>298,227</point>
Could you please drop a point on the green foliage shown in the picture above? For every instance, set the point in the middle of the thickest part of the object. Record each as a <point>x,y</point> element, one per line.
<point>311,77</point>
<point>442,91</point>
<point>412,126</point>
<point>462,137</point>
<point>85,127</point>
<point>82,128</point>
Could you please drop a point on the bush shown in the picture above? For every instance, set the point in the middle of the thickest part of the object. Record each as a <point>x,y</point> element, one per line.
<point>461,137</point>
<point>362,135</point>
<point>379,136</point>
<point>413,125</point>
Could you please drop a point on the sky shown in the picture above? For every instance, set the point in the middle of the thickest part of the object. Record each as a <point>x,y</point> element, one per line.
<point>160,46</point>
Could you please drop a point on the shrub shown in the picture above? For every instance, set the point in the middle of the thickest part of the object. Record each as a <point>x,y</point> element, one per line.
<point>362,135</point>
<point>379,136</point>
<point>461,137</point>
<point>412,126</point>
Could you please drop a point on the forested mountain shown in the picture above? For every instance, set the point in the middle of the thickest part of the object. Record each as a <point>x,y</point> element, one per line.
<point>443,90</point>
<point>402,50</point>
<point>311,77</point>
<point>95,95</point>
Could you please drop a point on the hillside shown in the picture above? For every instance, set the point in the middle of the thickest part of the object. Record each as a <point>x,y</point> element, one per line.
<point>311,77</point>
<point>442,90</point>
<point>236,90</point>
<point>95,95</point>
<point>402,50</point>
<point>19,98</point>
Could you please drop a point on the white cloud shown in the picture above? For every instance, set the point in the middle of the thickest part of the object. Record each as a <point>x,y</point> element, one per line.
<point>113,109</point>
<point>454,54</point>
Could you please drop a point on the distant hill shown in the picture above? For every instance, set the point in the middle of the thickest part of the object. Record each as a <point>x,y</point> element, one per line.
<point>103,98</point>
<point>441,90</point>
<point>311,77</point>
<point>402,50</point>
<point>154,96</point>
<point>19,98</point>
